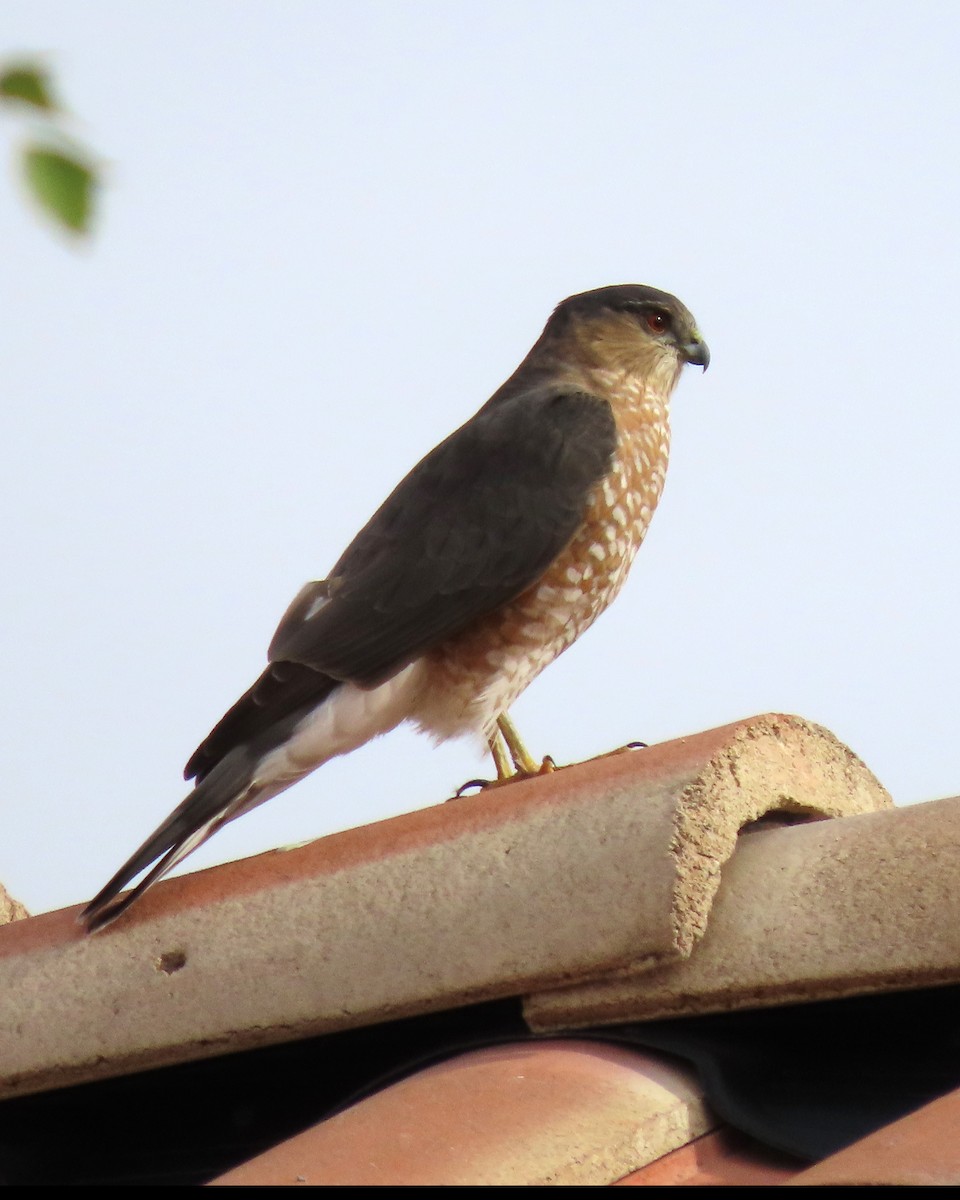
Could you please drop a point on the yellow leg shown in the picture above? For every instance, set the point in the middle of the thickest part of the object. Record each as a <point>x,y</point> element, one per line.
<point>523,760</point>
<point>511,758</point>
<point>500,757</point>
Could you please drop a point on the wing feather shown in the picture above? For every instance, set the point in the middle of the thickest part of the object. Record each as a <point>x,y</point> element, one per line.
<point>473,525</point>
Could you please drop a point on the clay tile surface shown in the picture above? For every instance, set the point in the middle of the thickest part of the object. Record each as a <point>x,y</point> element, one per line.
<point>608,866</point>
<point>10,909</point>
<point>823,910</point>
<point>546,1113</point>
<point>642,885</point>
<point>922,1149</point>
<point>723,1157</point>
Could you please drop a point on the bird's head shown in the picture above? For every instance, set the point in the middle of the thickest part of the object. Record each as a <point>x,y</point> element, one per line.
<point>627,328</point>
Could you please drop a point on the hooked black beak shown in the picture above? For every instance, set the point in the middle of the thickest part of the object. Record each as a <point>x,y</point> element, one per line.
<point>697,353</point>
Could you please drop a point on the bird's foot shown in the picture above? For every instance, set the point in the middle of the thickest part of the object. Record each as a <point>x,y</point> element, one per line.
<point>507,738</point>
<point>547,767</point>
<point>480,784</point>
<point>511,758</point>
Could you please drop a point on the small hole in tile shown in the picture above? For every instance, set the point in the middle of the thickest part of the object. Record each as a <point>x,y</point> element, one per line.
<point>171,962</point>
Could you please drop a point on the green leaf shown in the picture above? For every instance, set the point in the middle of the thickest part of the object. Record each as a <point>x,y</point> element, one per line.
<point>30,85</point>
<point>61,184</point>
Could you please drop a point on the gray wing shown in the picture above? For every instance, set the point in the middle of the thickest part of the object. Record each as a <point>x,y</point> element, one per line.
<point>473,525</point>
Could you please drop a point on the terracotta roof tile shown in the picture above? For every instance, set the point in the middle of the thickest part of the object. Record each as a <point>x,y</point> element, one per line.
<point>821,910</point>
<point>723,1157</point>
<point>598,867</point>
<point>10,909</point>
<point>921,1149</point>
<point>613,891</point>
<point>551,1112</point>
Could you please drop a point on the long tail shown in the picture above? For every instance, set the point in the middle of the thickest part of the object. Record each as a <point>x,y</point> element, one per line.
<point>290,722</point>
<point>222,795</point>
<point>236,770</point>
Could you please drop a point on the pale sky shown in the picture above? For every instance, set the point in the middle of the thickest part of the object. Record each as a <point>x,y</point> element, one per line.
<point>329,232</point>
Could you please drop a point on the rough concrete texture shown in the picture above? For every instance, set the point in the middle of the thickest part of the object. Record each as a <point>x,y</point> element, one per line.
<point>605,865</point>
<point>771,764</point>
<point>10,909</point>
<point>810,912</point>
<point>551,1113</point>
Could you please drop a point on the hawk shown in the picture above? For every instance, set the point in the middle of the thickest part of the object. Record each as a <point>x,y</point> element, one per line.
<point>482,566</point>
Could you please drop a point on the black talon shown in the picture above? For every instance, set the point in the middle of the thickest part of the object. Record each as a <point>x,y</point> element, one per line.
<point>477,783</point>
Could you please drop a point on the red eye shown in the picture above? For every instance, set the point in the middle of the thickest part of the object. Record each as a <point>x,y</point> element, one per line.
<point>657,322</point>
